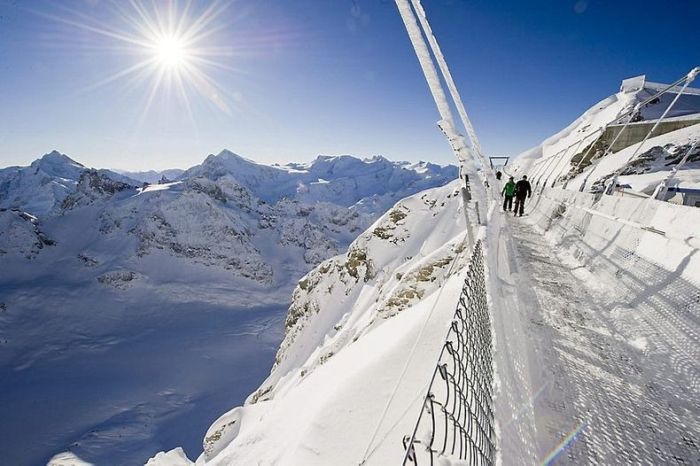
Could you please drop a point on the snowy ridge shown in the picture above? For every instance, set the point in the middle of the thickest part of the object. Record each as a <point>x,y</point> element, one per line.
<point>42,187</point>
<point>342,180</point>
<point>348,328</point>
<point>390,258</point>
<point>651,165</point>
<point>585,126</point>
<point>228,211</point>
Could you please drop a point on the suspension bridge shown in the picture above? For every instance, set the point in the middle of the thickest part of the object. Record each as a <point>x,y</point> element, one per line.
<point>548,359</point>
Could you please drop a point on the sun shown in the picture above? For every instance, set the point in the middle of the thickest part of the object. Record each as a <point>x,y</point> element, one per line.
<point>172,44</point>
<point>170,51</point>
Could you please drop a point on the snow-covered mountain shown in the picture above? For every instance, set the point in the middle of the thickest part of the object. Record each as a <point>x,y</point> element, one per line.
<point>375,184</point>
<point>575,152</point>
<point>263,223</point>
<point>41,187</point>
<point>191,276</point>
<point>348,329</point>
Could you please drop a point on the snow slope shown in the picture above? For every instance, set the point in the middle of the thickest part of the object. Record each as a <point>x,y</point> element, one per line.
<point>348,331</point>
<point>111,293</point>
<point>652,164</point>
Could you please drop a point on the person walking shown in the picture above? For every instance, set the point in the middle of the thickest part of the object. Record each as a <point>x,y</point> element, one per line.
<point>507,194</point>
<point>522,190</point>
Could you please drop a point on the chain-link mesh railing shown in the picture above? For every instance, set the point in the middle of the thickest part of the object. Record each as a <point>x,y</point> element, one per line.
<point>457,417</point>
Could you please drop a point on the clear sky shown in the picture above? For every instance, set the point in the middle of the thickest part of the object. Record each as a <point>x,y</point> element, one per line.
<point>286,80</point>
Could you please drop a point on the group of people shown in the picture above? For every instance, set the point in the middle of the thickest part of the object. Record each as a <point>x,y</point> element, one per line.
<point>520,191</point>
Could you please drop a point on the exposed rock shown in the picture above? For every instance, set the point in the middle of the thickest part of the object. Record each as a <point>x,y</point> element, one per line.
<point>121,279</point>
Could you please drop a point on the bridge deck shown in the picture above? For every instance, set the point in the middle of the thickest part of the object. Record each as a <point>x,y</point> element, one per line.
<point>609,390</point>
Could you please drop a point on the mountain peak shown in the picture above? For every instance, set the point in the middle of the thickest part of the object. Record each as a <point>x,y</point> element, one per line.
<point>226,155</point>
<point>55,157</point>
<point>56,164</point>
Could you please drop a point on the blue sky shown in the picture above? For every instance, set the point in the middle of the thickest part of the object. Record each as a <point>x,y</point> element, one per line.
<point>309,77</point>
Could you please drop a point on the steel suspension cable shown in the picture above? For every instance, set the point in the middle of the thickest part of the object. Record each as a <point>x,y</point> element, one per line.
<point>447,75</point>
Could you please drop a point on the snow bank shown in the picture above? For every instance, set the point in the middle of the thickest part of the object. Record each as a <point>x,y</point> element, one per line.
<point>616,234</point>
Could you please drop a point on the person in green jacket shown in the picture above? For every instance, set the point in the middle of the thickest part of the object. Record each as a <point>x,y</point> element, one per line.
<point>507,193</point>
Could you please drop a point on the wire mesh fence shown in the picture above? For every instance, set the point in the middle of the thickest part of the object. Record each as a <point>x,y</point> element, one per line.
<point>457,419</point>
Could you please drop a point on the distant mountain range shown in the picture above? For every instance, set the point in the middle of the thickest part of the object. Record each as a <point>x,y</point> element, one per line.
<point>152,176</point>
<point>229,212</point>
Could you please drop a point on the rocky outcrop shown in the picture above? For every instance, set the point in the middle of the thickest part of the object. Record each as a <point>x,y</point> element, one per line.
<point>21,234</point>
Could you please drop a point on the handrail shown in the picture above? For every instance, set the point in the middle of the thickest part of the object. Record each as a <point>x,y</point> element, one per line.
<point>457,416</point>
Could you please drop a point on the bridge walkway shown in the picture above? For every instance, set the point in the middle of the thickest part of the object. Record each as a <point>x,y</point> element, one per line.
<point>607,389</point>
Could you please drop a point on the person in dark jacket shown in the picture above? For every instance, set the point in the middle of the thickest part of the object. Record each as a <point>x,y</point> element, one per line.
<point>522,190</point>
<point>507,193</point>
<point>498,175</point>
